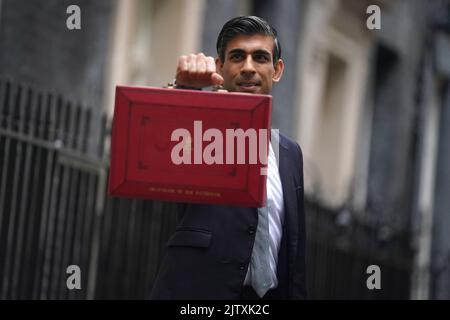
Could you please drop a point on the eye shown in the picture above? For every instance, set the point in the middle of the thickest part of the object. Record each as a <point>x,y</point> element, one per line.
<point>261,57</point>
<point>236,56</point>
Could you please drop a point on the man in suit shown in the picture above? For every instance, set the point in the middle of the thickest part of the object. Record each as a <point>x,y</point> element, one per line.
<point>229,252</point>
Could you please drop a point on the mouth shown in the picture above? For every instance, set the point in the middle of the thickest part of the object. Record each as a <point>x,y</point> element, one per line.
<point>248,85</point>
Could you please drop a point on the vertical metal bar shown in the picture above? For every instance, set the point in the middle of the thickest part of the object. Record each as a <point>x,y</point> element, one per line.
<point>89,219</point>
<point>80,203</point>
<point>22,197</point>
<point>152,238</point>
<point>95,248</point>
<point>89,236</point>
<point>98,209</point>
<point>4,97</point>
<point>9,96</point>
<point>57,237</point>
<point>4,87</point>
<point>72,206</point>
<point>52,187</point>
<point>137,247</point>
<point>71,123</point>
<point>117,243</point>
<point>51,226</point>
<point>83,211</point>
<point>81,129</point>
<point>85,216</point>
<point>10,244</point>
<point>3,160</point>
<point>61,214</point>
<point>142,238</point>
<point>128,252</point>
<point>104,135</point>
<point>9,108</point>
<point>64,124</point>
<point>87,131</point>
<point>105,231</point>
<point>31,252</point>
<point>4,156</point>
<point>76,127</point>
<point>123,245</point>
<point>44,101</point>
<point>29,115</point>
<point>79,219</point>
<point>57,267</point>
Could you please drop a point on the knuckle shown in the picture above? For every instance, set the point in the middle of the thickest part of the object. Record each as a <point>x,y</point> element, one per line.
<point>182,62</point>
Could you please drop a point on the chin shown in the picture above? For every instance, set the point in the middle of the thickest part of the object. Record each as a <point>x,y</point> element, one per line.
<point>247,91</point>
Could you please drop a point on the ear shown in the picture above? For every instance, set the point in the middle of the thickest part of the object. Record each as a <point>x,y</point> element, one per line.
<point>279,67</point>
<point>219,65</point>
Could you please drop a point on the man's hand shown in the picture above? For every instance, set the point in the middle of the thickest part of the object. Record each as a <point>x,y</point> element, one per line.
<point>197,71</point>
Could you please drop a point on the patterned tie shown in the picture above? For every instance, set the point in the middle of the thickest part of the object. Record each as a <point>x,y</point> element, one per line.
<point>261,278</point>
<point>262,275</point>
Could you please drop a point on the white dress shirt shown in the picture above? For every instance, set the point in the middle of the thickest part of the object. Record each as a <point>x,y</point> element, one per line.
<point>275,206</point>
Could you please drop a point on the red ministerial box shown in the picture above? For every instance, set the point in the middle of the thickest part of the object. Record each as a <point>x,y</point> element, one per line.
<point>142,151</point>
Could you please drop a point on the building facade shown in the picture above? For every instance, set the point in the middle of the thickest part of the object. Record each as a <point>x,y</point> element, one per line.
<point>369,107</point>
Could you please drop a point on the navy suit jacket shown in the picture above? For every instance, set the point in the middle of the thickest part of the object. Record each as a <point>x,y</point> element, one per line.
<point>209,253</point>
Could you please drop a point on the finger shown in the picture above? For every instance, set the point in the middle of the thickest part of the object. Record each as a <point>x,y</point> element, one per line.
<point>192,66</point>
<point>183,64</point>
<point>201,64</point>
<point>216,79</point>
<point>182,69</point>
<point>210,65</point>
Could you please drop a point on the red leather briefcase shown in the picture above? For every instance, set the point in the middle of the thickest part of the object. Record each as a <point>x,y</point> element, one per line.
<point>186,146</point>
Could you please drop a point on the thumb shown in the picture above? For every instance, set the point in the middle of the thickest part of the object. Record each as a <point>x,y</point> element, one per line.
<point>216,79</point>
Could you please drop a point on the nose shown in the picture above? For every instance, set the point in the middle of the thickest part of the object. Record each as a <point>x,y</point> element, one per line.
<point>248,66</point>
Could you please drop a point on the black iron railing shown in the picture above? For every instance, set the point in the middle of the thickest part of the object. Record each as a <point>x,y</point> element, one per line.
<point>54,212</point>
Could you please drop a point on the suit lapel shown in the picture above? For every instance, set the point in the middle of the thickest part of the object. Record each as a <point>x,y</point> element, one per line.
<point>289,195</point>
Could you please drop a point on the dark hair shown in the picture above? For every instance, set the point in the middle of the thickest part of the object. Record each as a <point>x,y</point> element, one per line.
<point>247,25</point>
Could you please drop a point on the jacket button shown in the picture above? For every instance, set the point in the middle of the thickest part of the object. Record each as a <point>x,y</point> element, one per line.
<point>251,230</point>
<point>241,266</point>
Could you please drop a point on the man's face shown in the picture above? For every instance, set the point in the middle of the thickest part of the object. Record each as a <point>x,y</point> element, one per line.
<point>248,65</point>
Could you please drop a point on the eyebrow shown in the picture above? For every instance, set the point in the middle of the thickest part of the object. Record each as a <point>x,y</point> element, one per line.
<point>259,51</point>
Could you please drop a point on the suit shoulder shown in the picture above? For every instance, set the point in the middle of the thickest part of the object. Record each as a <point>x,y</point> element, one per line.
<point>292,145</point>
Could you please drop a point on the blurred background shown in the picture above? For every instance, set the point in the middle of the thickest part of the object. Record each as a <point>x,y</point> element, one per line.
<point>370,109</point>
